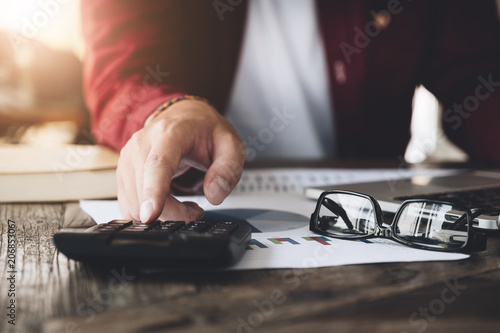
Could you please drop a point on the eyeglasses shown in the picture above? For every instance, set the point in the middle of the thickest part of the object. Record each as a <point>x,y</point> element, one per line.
<point>423,224</point>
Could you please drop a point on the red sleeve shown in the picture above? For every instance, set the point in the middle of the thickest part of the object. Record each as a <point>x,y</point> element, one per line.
<point>131,64</point>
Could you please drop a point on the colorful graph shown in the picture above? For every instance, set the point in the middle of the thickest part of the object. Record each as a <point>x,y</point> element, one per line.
<point>280,241</point>
<point>321,239</point>
<point>256,243</point>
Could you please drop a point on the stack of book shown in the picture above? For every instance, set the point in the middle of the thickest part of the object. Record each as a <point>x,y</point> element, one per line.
<point>31,173</point>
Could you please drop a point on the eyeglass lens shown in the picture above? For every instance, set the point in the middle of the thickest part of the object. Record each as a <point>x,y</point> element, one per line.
<point>346,215</point>
<point>431,225</point>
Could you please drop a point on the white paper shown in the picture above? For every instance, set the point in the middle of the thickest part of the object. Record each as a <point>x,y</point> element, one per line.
<point>272,201</point>
<point>301,248</point>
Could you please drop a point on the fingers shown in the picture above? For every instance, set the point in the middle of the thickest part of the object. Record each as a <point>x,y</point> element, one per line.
<point>175,210</point>
<point>161,165</point>
<point>162,206</point>
<point>187,134</point>
<point>226,169</point>
<point>159,169</point>
<point>154,174</point>
<point>127,192</point>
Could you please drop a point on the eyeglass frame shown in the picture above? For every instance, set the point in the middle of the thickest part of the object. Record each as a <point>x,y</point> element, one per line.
<point>476,241</point>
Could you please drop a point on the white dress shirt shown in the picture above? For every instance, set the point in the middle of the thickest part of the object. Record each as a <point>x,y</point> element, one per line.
<point>280,104</point>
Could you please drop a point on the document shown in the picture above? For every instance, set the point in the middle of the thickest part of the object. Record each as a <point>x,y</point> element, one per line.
<point>301,248</point>
<point>272,201</point>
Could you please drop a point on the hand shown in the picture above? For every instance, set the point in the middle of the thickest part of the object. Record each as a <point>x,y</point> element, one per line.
<point>186,134</point>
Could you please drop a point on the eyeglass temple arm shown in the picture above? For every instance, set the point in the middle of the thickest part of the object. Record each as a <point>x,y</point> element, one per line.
<point>479,239</point>
<point>460,222</point>
<point>336,209</point>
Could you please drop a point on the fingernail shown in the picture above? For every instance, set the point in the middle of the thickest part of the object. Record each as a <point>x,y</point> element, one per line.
<point>218,190</point>
<point>146,210</point>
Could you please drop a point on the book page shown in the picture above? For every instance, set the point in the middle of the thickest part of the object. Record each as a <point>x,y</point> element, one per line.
<point>23,159</point>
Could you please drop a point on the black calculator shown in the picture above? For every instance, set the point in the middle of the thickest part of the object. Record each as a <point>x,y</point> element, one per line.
<point>168,244</point>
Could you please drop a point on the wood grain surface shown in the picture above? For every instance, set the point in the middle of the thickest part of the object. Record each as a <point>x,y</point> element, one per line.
<point>54,294</point>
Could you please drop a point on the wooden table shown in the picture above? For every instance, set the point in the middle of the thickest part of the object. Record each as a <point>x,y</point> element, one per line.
<point>54,294</point>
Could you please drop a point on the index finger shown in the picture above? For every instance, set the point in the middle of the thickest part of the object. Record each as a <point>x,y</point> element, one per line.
<point>159,168</point>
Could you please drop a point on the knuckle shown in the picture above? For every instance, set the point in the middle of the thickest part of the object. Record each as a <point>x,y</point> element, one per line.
<point>169,131</point>
<point>136,137</point>
<point>136,141</point>
<point>133,144</point>
<point>156,160</point>
<point>125,149</point>
<point>159,162</point>
<point>163,126</point>
<point>159,126</point>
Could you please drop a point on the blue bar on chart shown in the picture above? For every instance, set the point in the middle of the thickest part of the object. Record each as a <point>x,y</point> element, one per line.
<point>256,243</point>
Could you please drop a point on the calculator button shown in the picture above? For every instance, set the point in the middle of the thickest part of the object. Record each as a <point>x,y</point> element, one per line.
<point>196,227</point>
<point>124,223</point>
<point>148,225</point>
<point>109,226</point>
<point>167,227</point>
<point>106,228</point>
<point>221,231</point>
<point>172,225</point>
<point>225,227</point>
<point>135,229</point>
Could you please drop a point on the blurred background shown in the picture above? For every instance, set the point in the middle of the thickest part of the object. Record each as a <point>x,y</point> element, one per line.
<point>41,50</point>
<point>41,100</point>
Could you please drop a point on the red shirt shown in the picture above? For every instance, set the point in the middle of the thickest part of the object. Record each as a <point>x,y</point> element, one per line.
<point>142,53</point>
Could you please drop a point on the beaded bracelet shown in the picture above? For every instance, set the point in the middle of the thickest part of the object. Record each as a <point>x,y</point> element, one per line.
<point>168,103</point>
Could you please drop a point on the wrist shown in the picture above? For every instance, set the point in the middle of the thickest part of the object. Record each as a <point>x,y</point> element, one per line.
<point>164,106</point>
